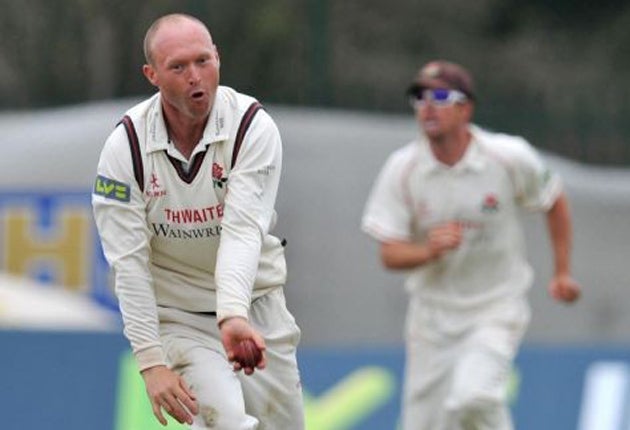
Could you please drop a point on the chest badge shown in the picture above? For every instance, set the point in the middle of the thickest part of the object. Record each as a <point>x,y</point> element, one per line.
<point>155,189</point>
<point>490,204</point>
<point>218,180</point>
<point>154,182</point>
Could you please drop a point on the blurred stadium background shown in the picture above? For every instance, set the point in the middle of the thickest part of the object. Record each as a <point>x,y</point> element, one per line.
<point>332,74</point>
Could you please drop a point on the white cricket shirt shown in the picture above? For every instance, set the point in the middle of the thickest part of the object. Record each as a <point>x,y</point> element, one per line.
<point>186,242</point>
<point>497,175</point>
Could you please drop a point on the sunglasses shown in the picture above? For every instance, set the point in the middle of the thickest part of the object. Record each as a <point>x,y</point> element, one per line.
<point>436,97</point>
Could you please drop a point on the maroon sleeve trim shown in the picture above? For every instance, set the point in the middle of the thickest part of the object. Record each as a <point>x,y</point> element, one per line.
<point>134,145</point>
<point>242,129</point>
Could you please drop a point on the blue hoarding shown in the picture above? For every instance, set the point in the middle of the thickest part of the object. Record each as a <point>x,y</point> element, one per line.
<point>74,381</point>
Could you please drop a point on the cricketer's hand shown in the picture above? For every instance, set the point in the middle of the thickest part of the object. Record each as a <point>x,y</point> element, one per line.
<point>564,288</point>
<point>167,390</point>
<point>234,330</point>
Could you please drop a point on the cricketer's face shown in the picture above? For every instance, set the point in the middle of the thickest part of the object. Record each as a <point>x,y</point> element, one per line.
<point>440,121</point>
<point>185,67</point>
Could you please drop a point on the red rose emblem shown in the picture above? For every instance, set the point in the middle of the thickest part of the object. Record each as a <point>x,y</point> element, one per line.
<point>217,171</point>
<point>490,203</point>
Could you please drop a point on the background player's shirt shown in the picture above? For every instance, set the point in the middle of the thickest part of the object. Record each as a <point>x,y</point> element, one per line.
<point>186,241</point>
<point>497,175</point>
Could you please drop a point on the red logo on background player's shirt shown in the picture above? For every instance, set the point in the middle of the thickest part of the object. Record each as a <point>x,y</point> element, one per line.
<point>490,203</point>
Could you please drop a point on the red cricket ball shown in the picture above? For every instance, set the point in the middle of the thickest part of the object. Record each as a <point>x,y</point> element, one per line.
<point>247,354</point>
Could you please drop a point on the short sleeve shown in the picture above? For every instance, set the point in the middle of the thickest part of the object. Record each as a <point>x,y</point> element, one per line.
<point>387,215</point>
<point>537,186</point>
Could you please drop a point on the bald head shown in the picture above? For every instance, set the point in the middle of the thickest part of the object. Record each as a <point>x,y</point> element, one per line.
<point>176,19</point>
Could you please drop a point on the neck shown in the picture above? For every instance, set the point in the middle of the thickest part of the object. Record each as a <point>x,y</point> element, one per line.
<point>450,148</point>
<point>183,131</point>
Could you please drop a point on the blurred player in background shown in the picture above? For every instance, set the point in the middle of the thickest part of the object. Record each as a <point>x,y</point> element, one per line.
<point>445,208</point>
<point>184,203</point>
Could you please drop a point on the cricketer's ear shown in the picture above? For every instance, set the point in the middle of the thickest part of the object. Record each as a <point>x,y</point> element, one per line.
<point>468,109</point>
<point>216,54</point>
<point>149,72</point>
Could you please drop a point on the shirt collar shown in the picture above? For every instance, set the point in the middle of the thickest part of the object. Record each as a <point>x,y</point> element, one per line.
<point>472,160</point>
<point>217,127</point>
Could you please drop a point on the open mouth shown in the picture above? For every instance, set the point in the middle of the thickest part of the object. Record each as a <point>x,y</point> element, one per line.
<point>197,95</point>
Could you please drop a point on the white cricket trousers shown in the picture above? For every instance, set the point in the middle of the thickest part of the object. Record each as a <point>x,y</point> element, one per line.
<point>269,399</point>
<point>458,366</point>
